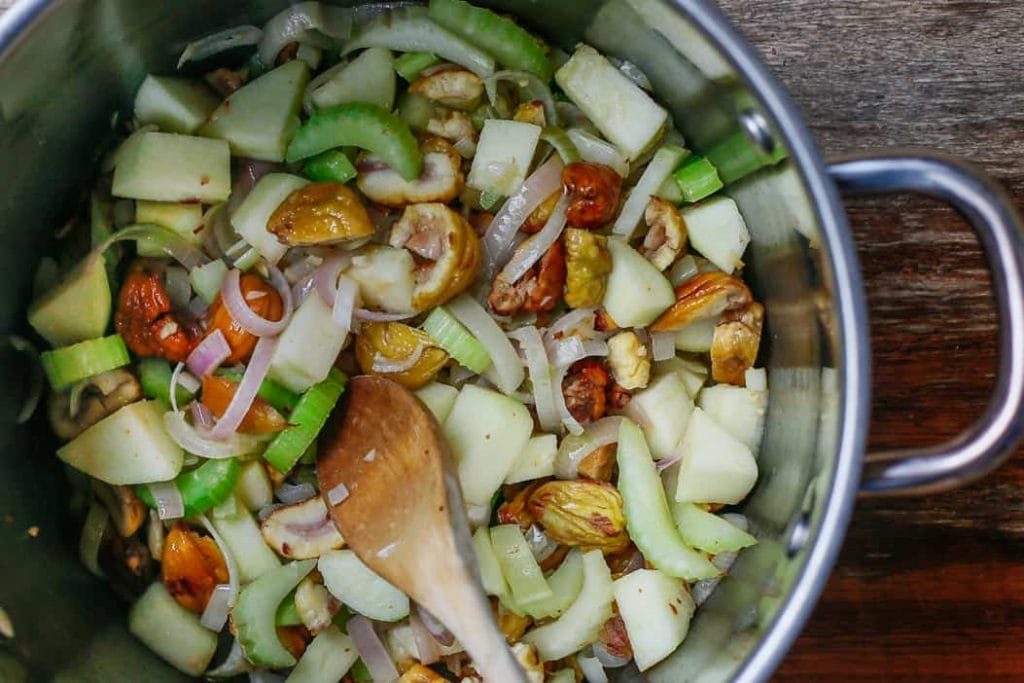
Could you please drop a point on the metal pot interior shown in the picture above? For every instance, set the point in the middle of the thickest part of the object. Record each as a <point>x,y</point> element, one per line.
<point>67,66</point>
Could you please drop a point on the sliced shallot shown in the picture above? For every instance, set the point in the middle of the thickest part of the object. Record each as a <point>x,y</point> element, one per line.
<point>209,354</point>
<point>231,293</point>
<point>371,649</point>
<point>531,251</point>
<point>247,389</point>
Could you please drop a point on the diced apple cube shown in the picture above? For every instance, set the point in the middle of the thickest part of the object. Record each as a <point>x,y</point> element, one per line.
<point>637,292</point>
<point>252,215</point>
<point>656,610</point>
<point>662,410</point>
<point>503,156</point>
<point>537,459</point>
<point>714,466</point>
<point>739,410</point>
<point>718,232</point>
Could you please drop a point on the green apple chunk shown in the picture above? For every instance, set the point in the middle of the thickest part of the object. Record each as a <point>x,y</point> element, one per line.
<point>130,446</point>
<point>259,119</point>
<point>252,215</point>
<point>662,411</point>
<point>487,432</point>
<point>739,410</point>
<point>176,105</point>
<point>439,399</point>
<point>536,461</point>
<point>637,292</point>
<point>370,77</point>
<point>308,347</point>
<point>76,309</point>
<point>166,167</point>
<point>717,231</point>
<point>172,631</point>
<point>656,610</point>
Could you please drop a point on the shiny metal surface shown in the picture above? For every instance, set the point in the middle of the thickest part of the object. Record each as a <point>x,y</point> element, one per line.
<point>56,113</point>
<point>990,212</point>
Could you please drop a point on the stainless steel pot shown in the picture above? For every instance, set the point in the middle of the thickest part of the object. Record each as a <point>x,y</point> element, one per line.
<point>67,65</point>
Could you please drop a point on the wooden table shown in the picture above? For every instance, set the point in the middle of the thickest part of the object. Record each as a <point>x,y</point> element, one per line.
<point>930,588</point>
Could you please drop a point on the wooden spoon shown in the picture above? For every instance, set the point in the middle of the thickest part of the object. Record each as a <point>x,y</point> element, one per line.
<point>404,516</point>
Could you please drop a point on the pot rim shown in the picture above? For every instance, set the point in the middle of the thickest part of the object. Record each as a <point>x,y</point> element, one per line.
<point>853,338</point>
<point>847,288</point>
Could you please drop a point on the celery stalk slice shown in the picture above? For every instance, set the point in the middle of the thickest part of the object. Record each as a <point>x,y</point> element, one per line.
<point>70,364</point>
<point>454,338</point>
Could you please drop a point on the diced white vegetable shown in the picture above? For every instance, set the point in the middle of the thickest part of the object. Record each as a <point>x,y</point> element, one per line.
<point>623,112</point>
<point>670,191</point>
<point>487,431</point>
<point>692,373</point>
<point>370,77</point>
<point>656,610</point>
<point>503,156</point>
<point>439,398</point>
<point>705,531</point>
<point>491,577</point>
<point>537,459</point>
<point>253,487</point>
<point>176,105</point>
<point>385,277</point>
<point>756,379</point>
<point>717,231</point>
<point>662,410</point>
<point>130,446</point>
<point>739,410</point>
<point>242,536</point>
<point>697,336</point>
<point>715,467</point>
<point>259,119</point>
<point>172,631</point>
<point>166,167</point>
<point>356,585</point>
<point>637,292</point>
<point>581,623</point>
<point>252,215</point>
<point>75,309</point>
<point>208,278</point>
<point>308,347</point>
<point>184,219</point>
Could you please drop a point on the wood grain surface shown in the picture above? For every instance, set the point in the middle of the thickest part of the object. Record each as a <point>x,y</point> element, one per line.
<point>929,588</point>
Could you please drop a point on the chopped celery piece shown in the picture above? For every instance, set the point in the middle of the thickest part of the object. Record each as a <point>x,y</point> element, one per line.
<point>706,531</point>
<point>129,446</point>
<point>287,614</point>
<point>253,614</point>
<point>416,110</point>
<point>648,518</point>
<point>172,631</point>
<point>277,395</point>
<point>409,65</point>
<point>490,570</point>
<point>306,420</point>
<point>260,118</point>
<point>185,219</point>
<point>176,105</point>
<point>364,125</point>
<point>454,338</point>
<point>360,588</point>
<point>562,143</point>
<point>737,156</point>
<point>242,536</point>
<point>522,574</point>
<point>330,166</point>
<point>207,279</point>
<point>204,487</point>
<point>620,109</point>
<point>581,623</point>
<point>370,77</point>
<point>326,660</point>
<point>656,610</point>
<point>165,167</point>
<point>409,29</point>
<point>503,156</point>
<point>697,178</point>
<point>487,431</point>
<point>70,364</point>
<point>76,309</point>
<point>566,582</point>
<point>512,45</point>
<point>252,215</point>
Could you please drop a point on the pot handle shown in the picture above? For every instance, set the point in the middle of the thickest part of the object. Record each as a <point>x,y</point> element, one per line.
<point>991,439</point>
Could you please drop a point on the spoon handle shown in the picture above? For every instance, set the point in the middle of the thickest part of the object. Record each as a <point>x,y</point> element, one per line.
<point>473,624</point>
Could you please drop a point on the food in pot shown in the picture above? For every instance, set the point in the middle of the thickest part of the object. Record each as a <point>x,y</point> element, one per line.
<point>432,217</point>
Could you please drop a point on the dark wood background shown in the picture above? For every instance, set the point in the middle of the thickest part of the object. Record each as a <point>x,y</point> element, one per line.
<point>929,588</point>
